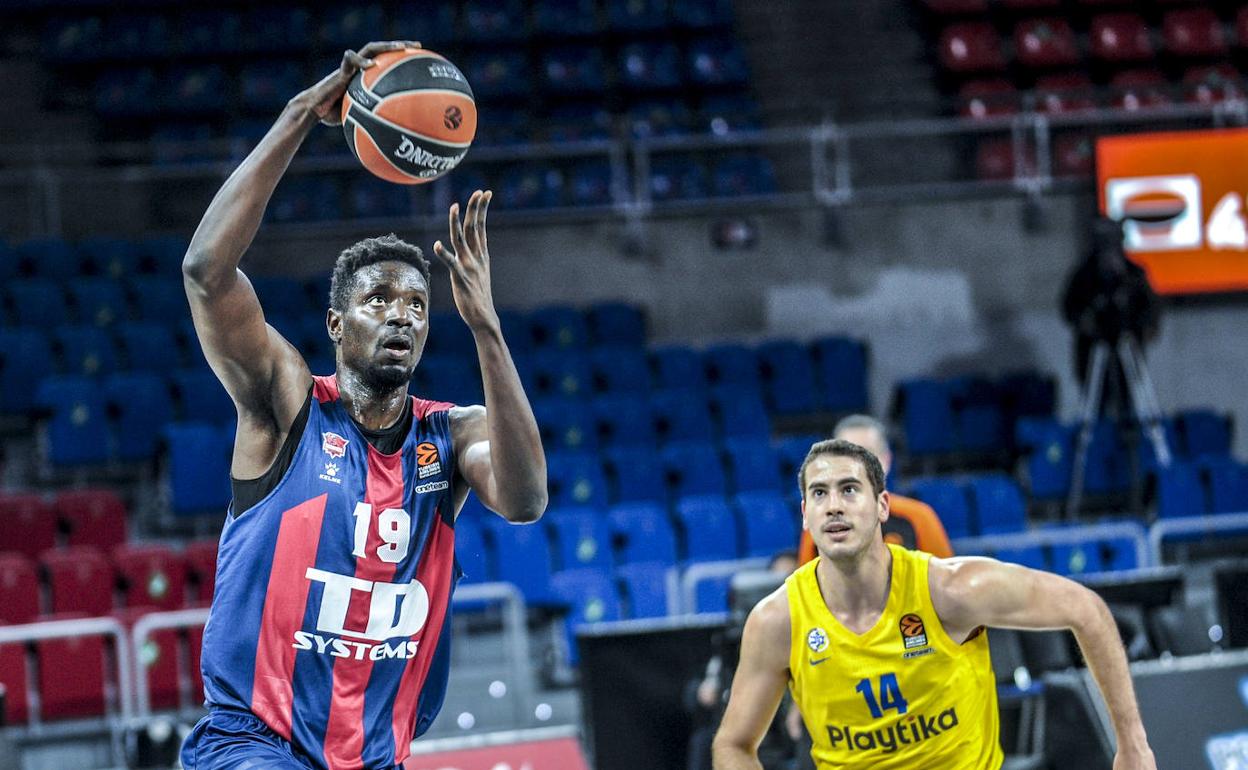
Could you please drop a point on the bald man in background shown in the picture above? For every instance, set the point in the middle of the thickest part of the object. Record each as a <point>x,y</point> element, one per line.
<point>911,523</point>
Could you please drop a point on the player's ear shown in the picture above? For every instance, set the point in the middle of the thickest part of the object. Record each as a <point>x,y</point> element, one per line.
<point>803,508</point>
<point>333,324</point>
<point>882,504</point>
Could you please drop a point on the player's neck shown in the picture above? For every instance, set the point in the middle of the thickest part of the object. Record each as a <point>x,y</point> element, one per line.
<point>858,584</point>
<point>369,408</point>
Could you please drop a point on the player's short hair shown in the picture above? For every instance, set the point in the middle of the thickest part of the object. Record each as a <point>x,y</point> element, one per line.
<point>862,421</point>
<point>370,251</point>
<point>841,448</point>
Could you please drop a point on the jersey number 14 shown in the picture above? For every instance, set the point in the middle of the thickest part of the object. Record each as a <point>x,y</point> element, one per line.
<point>890,696</point>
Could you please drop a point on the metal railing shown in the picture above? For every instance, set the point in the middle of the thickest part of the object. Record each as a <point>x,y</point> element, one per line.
<point>819,165</point>
<point>711,570</point>
<point>1079,535</point>
<point>1219,523</point>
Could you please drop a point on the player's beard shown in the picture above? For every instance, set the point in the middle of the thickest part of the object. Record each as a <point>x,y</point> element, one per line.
<point>383,379</point>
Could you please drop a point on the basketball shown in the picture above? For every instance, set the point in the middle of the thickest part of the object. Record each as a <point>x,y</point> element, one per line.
<point>410,118</point>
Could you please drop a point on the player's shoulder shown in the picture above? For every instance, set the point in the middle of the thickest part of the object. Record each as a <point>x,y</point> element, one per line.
<point>771,616</point>
<point>959,580</point>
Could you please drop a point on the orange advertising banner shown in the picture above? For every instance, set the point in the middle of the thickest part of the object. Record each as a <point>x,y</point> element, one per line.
<point>1180,196</point>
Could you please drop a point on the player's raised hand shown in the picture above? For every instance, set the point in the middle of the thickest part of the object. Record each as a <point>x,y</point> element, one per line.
<point>468,260</point>
<point>325,98</point>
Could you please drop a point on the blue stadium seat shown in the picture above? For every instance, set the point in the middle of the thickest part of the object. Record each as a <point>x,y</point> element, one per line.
<point>559,326</point>
<point>135,35</point>
<point>788,374</point>
<point>693,468</point>
<point>1179,491</point>
<point>449,336</point>
<point>345,26</point>
<point>265,85</point>
<point>998,504</point>
<point>733,364</point>
<point>616,324</point>
<point>530,186</point>
<point>201,397</point>
<point>1204,433</point>
<point>791,452</point>
<point>306,198</point>
<point>146,347</point>
<point>753,465</point>
<point>702,14</point>
<point>1107,466</point>
<point>565,424</point>
<point>37,302</point>
<point>1029,556</point>
<point>97,301</point>
<point>369,197</point>
<point>1119,554</point>
<point>575,478</point>
<point>199,467</point>
<point>590,596</point>
<point>590,183</point>
<point>645,588</point>
<point>24,361</point>
<point>642,532</point>
<point>269,29</point>
<point>650,66</point>
<point>1228,485</point>
<point>517,331</point>
<point>622,419</point>
<point>471,550</point>
<point>492,20</point>
<point>565,18</point>
<point>677,367</point>
<point>73,39</point>
<point>616,369</point>
<point>523,557</point>
<point>1029,393</point>
<point>681,415</point>
<point>573,121</point>
<point>678,177</point>
<point>981,428</point>
<point>560,372</point>
<point>1077,559</point>
<point>1050,455</point>
<point>739,413</point>
<point>162,255</point>
<point>743,173</point>
<point>497,73</point>
<point>948,499</point>
<point>634,473</point>
<point>158,299</point>
<point>194,89</point>
<point>769,525</point>
<point>212,31</point>
<point>729,114</point>
<point>50,258</point>
<point>106,257</point>
<point>708,528</point>
<point>77,430</point>
<point>574,69</point>
<point>716,61</point>
<point>712,595</point>
<point>85,350</point>
<point>582,538</point>
<point>126,92</point>
<point>653,118</point>
<point>841,365</point>
<point>927,416</point>
<point>140,404</point>
<point>637,15</point>
<point>452,378</point>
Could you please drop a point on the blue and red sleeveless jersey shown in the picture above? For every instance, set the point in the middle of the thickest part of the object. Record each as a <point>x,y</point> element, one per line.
<point>330,620</point>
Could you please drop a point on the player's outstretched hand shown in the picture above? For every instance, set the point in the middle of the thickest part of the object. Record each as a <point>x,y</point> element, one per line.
<point>468,260</point>
<point>325,98</point>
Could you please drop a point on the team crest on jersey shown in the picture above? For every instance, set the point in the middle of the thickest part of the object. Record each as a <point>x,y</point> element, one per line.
<point>428,462</point>
<point>913,635</point>
<point>334,445</point>
<point>817,640</point>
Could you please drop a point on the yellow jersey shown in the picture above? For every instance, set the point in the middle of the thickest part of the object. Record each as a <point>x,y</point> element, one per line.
<point>901,695</point>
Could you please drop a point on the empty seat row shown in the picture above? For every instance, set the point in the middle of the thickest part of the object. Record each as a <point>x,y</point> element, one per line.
<point>968,414</point>
<point>31,523</point>
<point>968,506</point>
<point>101,256</point>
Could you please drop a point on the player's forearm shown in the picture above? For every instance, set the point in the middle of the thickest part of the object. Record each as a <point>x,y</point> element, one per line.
<point>233,217</point>
<point>515,445</point>
<point>1102,649</point>
<point>730,756</point>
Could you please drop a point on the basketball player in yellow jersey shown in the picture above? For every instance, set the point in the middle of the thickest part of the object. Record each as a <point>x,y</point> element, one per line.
<point>884,648</point>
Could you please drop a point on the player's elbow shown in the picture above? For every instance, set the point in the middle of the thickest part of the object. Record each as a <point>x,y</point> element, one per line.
<point>1085,610</point>
<point>202,273</point>
<point>728,751</point>
<point>528,509</point>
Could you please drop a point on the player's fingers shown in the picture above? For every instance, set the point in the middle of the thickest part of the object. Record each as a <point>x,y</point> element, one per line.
<point>352,61</point>
<point>481,231</point>
<point>471,237</point>
<point>444,256</point>
<point>457,229</point>
<point>377,47</point>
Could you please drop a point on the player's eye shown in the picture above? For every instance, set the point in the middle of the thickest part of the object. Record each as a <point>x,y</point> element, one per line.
<point>376,300</point>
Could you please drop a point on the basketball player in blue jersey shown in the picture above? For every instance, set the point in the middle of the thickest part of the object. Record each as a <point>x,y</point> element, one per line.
<point>327,644</point>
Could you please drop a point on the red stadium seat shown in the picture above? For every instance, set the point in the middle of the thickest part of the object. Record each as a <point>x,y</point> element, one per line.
<point>1073,155</point>
<point>1208,85</point>
<point>19,589</point>
<point>953,7</point>
<point>158,658</point>
<point>194,646</point>
<point>971,47</point>
<point>1120,37</point>
<point>27,525</point>
<point>1140,89</point>
<point>151,576</point>
<point>994,159</point>
<point>71,676</point>
<point>13,677</point>
<point>94,517</point>
<point>201,567</point>
<point>82,580</point>
<point>988,98</point>
<point>1072,92</point>
<point>1193,32</point>
<point>1044,43</point>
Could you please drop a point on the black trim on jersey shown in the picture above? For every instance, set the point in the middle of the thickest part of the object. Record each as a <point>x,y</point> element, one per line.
<point>390,440</point>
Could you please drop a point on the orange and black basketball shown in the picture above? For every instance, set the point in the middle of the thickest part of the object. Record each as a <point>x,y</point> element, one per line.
<point>411,117</point>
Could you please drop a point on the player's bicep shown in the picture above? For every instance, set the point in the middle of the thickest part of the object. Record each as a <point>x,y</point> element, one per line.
<point>987,592</point>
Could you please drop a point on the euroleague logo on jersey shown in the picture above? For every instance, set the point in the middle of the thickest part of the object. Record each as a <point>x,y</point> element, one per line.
<point>913,635</point>
<point>428,461</point>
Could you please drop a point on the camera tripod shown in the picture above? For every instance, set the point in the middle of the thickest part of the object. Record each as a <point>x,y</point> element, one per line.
<point>1144,405</point>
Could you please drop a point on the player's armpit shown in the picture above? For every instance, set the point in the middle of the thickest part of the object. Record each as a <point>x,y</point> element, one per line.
<point>757,686</point>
